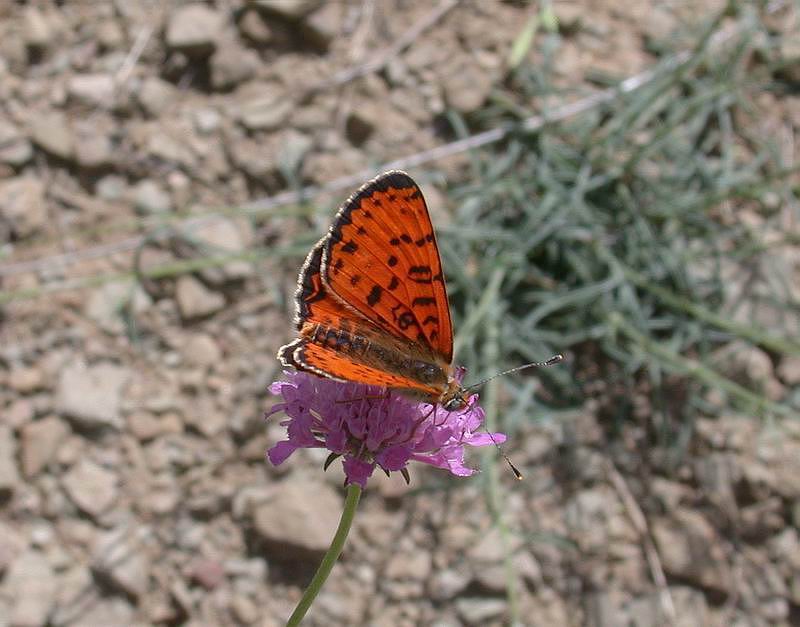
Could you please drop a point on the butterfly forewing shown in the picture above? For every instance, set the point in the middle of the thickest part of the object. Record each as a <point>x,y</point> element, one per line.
<point>371,300</point>
<point>381,258</point>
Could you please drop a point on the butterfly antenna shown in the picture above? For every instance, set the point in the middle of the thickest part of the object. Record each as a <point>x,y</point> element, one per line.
<point>534,364</point>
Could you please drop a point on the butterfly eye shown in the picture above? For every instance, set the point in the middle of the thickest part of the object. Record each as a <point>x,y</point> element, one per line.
<point>455,403</point>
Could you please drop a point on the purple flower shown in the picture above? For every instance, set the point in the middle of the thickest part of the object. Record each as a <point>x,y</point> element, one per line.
<point>369,427</point>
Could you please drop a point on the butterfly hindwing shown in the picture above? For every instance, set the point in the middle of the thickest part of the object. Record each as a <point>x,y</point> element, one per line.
<point>381,259</point>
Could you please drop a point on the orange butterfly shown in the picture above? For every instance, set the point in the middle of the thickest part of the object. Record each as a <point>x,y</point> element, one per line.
<point>371,299</point>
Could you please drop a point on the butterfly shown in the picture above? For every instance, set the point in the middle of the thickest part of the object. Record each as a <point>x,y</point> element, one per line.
<point>371,301</point>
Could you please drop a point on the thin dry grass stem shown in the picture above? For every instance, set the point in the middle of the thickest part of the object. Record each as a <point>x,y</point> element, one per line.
<point>651,553</point>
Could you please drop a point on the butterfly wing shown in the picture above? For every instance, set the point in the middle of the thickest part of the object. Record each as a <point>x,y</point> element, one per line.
<point>304,354</point>
<point>380,258</point>
<point>323,320</point>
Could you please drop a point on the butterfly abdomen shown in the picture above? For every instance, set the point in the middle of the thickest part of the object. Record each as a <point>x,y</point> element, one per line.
<point>374,354</point>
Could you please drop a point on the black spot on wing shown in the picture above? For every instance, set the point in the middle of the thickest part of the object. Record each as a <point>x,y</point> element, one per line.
<point>374,295</point>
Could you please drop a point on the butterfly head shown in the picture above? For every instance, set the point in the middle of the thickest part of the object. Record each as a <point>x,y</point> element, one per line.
<point>455,397</point>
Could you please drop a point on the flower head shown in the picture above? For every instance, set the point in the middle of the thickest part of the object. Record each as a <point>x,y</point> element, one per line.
<point>370,426</point>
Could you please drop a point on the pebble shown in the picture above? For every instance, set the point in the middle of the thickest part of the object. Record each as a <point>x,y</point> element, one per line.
<point>94,90</point>
<point>207,121</point>
<point>151,198</point>
<point>90,396</point>
<point>24,205</point>
<point>263,107</point>
<point>39,442</point>
<point>225,236</point>
<point>202,350</point>
<point>25,380</point>
<point>232,64</point>
<point>479,611</point>
<point>9,475</point>
<point>288,9</point>
<point>91,487</point>
<point>30,585</point>
<point>120,555</point>
<point>253,27</point>
<point>195,300</point>
<point>299,518</point>
<point>15,148</point>
<point>194,29</point>
<point>156,95</point>
<point>53,133</point>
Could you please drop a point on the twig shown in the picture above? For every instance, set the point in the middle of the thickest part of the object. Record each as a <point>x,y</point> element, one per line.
<point>136,51</point>
<point>650,551</point>
<point>382,59</point>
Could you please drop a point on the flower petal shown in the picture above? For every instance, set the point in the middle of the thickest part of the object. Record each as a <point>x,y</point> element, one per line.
<point>281,452</point>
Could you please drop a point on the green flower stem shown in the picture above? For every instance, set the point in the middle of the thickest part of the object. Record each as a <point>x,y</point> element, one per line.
<point>325,567</point>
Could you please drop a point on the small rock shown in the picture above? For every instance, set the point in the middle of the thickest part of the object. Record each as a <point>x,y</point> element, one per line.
<point>195,300</point>
<point>94,151</point>
<point>36,29</point>
<point>415,565</point>
<point>207,121</point>
<point>108,611</point>
<point>479,611</point>
<point>194,29</point>
<point>39,442</point>
<point>13,542</point>
<point>150,198</point>
<point>110,35</point>
<point>25,380</point>
<point>287,9</point>
<point>466,86</point>
<point>30,585</point>
<point>209,573</point>
<point>263,107</point>
<point>202,350</point>
<point>15,149</point>
<point>90,396</point>
<point>75,594</point>
<point>109,305</point>
<point>232,64</point>
<point>690,550</point>
<point>258,161</point>
<point>91,487</point>
<point>94,90</point>
<point>120,555</point>
<point>164,145</point>
<point>244,609</point>
<point>225,236</point>
<point>156,95</point>
<point>24,206</point>
<point>111,187</point>
<point>745,364</point>
<point>145,426</point>
<point>19,412</point>
<point>299,517</point>
<point>789,370</point>
<point>324,24</point>
<point>446,584</point>
<point>53,134</point>
<point>253,27</point>
<point>294,146</point>
<point>9,476</point>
